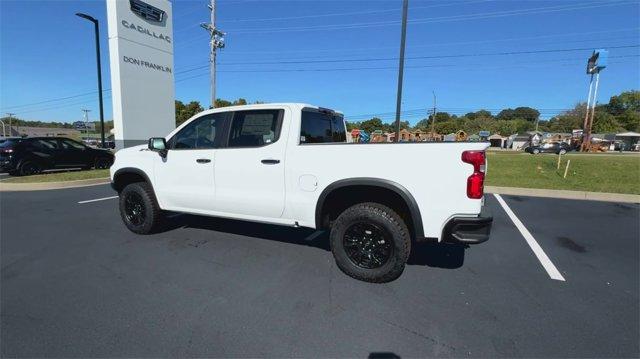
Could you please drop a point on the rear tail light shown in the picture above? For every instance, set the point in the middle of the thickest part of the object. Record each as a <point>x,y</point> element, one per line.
<point>475,182</point>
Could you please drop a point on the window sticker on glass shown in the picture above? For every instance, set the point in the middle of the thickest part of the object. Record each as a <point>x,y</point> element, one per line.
<point>257,124</point>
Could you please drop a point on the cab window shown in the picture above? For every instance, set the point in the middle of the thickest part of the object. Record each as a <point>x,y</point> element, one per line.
<point>202,133</point>
<point>255,128</point>
<point>320,127</point>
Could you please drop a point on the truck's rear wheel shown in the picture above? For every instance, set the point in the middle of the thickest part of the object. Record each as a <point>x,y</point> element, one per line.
<point>370,242</point>
<point>139,209</point>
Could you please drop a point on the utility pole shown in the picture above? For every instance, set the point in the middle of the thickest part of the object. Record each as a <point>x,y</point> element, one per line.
<point>433,119</point>
<point>216,42</point>
<point>10,114</point>
<point>86,122</point>
<point>403,37</point>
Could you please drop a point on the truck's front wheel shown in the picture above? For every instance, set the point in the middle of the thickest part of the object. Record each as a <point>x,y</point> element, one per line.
<point>370,242</point>
<point>138,208</point>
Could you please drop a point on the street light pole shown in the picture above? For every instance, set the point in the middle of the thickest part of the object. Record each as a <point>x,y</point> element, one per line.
<point>97,35</point>
<point>403,36</point>
<point>433,120</point>
<point>10,114</point>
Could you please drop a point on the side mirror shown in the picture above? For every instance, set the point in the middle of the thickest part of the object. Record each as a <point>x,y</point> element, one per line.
<point>158,144</point>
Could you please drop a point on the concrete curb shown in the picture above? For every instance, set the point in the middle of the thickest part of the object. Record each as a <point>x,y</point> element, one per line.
<point>42,186</point>
<point>564,194</point>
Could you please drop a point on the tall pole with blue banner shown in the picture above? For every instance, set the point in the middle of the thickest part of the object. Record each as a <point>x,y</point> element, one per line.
<point>596,63</point>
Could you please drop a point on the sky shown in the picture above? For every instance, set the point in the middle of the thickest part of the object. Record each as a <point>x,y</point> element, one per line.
<point>337,54</point>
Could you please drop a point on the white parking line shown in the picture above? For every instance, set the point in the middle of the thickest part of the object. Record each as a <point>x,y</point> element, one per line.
<point>551,269</point>
<point>97,199</point>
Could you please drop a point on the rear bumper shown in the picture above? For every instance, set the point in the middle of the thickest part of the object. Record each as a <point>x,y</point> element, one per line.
<point>468,230</point>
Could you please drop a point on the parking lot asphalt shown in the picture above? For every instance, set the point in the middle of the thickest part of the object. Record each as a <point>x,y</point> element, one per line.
<point>76,283</point>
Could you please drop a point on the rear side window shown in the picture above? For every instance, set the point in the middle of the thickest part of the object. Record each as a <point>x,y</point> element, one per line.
<point>43,144</point>
<point>255,128</point>
<point>320,127</point>
<point>71,145</point>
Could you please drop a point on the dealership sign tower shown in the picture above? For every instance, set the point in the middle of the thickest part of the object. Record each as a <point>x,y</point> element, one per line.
<point>141,57</point>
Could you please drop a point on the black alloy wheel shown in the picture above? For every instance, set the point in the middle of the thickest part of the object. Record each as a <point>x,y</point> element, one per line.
<point>102,163</point>
<point>29,168</point>
<point>370,242</point>
<point>367,245</point>
<point>139,208</point>
<point>134,208</point>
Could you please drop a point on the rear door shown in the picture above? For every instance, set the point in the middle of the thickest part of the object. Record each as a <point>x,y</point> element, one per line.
<point>72,154</point>
<point>249,172</point>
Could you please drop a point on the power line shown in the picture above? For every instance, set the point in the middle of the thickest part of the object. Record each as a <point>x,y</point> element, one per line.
<point>476,16</point>
<point>411,57</point>
<point>82,102</point>
<point>453,43</point>
<point>315,16</point>
<point>429,57</point>
<point>55,99</point>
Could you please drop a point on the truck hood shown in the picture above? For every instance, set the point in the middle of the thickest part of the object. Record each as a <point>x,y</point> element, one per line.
<point>131,149</point>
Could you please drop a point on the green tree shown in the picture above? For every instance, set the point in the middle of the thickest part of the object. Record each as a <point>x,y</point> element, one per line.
<point>626,101</point>
<point>504,128</point>
<point>447,127</point>
<point>372,125</point>
<point>481,113</point>
<point>424,124</point>
<point>605,122</point>
<point>225,103</point>
<point>185,112</point>
<point>630,120</point>
<point>526,113</point>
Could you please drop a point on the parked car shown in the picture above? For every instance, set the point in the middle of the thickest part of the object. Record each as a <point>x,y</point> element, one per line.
<point>32,155</point>
<point>290,164</point>
<point>551,147</point>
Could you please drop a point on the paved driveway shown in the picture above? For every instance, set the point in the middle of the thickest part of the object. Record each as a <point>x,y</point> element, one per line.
<point>75,282</point>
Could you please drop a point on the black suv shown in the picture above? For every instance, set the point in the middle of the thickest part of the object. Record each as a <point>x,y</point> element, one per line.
<point>32,155</point>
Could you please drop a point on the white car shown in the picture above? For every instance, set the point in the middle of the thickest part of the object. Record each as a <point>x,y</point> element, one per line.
<point>290,164</point>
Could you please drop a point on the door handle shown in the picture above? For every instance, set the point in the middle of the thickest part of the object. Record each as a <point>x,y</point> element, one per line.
<point>203,160</point>
<point>270,162</point>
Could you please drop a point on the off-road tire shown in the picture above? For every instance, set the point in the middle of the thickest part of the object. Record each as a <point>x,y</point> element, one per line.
<point>152,216</point>
<point>397,233</point>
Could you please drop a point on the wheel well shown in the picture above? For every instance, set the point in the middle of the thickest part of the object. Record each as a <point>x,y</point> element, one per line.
<point>122,179</point>
<point>37,161</point>
<point>339,199</point>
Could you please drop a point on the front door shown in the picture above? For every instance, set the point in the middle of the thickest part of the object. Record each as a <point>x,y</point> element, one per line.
<point>184,179</point>
<point>250,169</point>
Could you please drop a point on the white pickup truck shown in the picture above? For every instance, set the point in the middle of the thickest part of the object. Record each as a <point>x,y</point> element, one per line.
<point>290,164</point>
